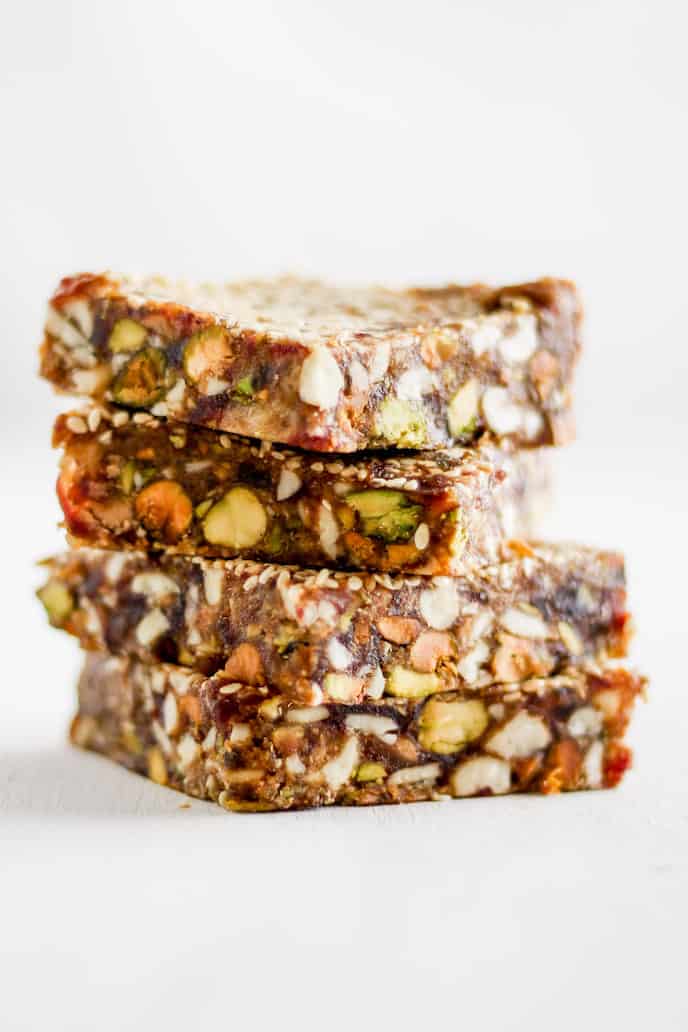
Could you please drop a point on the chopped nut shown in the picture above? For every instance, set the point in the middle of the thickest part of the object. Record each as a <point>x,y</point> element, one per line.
<point>188,751</point>
<point>370,772</point>
<point>240,734</point>
<point>154,586</point>
<point>153,626</point>
<point>375,688</point>
<point>407,684</point>
<point>414,775</point>
<point>389,515</point>
<point>502,415</point>
<point>585,722</point>
<point>400,422</point>
<point>462,412</point>
<point>421,538</point>
<point>57,602</point>
<point>592,765</point>
<point>520,345</point>
<point>289,483</point>
<point>307,714</point>
<point>398,629</point>
<point>245,665</point>
<point>429,649</point>
<point>321,379</point>
<point>139,383</point>
<point>340,769</point>
<point>524,623</point>
<point>481,774</point>
<point>213,579</point>
<point>516,659</point>
<point>383,728</point>
<point>521,736</point>
<point>165,508</point>
<point>237,521</point>
<point>439,605</point>
<point>127,335</point>
<point>170,714</point>
<point>83,729</point>
<point>469,666</point>
<point>570,638</point>
<point>294,765</point>
<point>608,701</point>
<point>207,353</point>
<point>446,727</point>
<point>339,656</point>
<point>342,687</point>
<point>157,768</point>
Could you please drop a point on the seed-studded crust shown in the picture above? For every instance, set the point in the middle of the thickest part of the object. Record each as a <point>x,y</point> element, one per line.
<point>154,486</point>
<point>248,748</point>
<point>324,368</point>
<point>322,635</point>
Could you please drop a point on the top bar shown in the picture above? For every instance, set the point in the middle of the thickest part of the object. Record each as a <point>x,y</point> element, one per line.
<point>324,368</point>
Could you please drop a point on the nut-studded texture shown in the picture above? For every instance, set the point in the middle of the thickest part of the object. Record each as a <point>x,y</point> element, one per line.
<point>322,635</point>
<point>248,748</point>
<point>324,368</point>
<point>154,486</point>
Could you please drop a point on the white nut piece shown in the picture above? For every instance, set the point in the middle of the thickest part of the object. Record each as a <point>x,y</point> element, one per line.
<point>439,605</point>
<point>342,687</point>
<point>339,656</point>
<point>522,736</point>
<point>523,623</point>
<point>213,578</point>
<point>288,484</point>
<point>463,408</point>
<point>328,531</point>
<point>240,734</point>
<point>571,638</point>
<point>152,627</point>
<point>415,775</point>
<point>188,750</point>
<point>469,666</point>
<point>170,714</point>
<point>307,714</point>
<point>480,774</point>
<point>520,345</point>
<point>585,722</point>
<point>339,770</point>
<point>501,414</point>
<point>447,727</point>
<point>383,728</point>
<point>294,765</point>
<point>421,538</point>
<point>592,765</point>
<point>154,586</point>
<point>608,701</point>
<point>321,379</point>
<point>375,688</point>
<point>80,313</point>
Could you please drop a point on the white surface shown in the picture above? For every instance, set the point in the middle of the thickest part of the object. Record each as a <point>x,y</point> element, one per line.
<point>359,141</point>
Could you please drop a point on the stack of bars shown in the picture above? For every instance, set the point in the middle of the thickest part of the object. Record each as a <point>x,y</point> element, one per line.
<point>302,559</point>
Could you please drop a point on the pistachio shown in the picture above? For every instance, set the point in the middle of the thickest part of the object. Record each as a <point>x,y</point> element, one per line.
<point>57,602</point>
<point>370,772</point>
<point>407,684</point>
<point>401,423</point>
<point>164,508</point>
<point>127,335</point>
<point>140,382</point>
<point>237,521</point>
<point>206,353</point>
<point>462,412</point>
<point>446,727</point>
<point>126,477</point>
<point>243,389</point>
<point>389,515</point>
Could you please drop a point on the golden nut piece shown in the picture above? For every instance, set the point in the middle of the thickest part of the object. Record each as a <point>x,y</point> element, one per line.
<point>165,508</point>
<point>238,520</point>
<point>446,727</point>
<point>57,601</point>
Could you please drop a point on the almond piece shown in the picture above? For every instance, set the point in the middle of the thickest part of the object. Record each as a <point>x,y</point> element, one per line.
<point>400,630</point>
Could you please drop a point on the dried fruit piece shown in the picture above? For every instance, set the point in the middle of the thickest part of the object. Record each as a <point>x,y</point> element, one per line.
<point>165,508</point>
<point>140,383</point>
<point>127,335</point>
<point>57,602</point>
<point>399,422</point>
<point>237,521</point>
<point>462,413</point>
<point>207,353</point>
<point>407,684</point>
<point>390,515</point>
<point>446,727</point>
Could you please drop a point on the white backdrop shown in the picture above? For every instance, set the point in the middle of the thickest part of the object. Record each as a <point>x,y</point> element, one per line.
<point>396,142</point>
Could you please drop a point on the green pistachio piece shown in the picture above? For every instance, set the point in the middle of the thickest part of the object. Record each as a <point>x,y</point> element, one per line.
<point>400,423</point>
<point>390,515</point>
<point>206,353</point>
<point>140,383</point>
<point>57,602</point>
<point>126,477</point>
<point>370,772</point>
<point>243,389</point>
<point>127,335</point>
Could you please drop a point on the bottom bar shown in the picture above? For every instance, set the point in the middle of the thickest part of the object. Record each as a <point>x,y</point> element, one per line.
<point>250,749</point>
